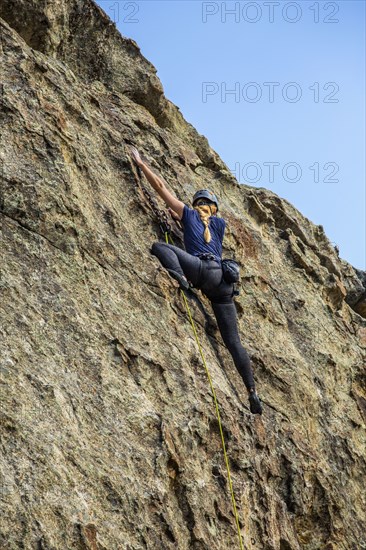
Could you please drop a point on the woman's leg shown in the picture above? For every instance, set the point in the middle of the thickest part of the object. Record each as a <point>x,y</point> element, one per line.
<point>175,259</point>
<point>226,317</point>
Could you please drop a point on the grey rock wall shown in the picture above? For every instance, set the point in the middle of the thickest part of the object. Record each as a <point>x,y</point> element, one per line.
<point>109,431</point>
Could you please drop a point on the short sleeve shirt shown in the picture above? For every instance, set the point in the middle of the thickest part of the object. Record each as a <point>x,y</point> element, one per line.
<point>194,228</point>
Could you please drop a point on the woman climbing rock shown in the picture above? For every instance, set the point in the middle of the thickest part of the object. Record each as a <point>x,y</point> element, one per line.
<point>200,266</point>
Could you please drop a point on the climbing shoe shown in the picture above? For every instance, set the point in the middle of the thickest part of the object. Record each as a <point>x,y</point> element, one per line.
<point>183,283</point>
<point>255,403</point>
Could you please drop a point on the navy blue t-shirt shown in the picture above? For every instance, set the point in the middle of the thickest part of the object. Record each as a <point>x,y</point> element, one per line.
<point>194,240</point>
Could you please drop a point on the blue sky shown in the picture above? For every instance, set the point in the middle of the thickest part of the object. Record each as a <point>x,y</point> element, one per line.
<point>297,76</point>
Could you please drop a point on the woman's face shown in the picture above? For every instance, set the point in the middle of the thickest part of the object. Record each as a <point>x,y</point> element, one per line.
<point>201,202</point>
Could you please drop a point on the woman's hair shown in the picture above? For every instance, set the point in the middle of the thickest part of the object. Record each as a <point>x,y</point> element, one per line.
<point>205,211</point>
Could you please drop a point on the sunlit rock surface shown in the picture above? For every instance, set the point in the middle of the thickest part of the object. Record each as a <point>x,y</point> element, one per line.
<point>109,432</point>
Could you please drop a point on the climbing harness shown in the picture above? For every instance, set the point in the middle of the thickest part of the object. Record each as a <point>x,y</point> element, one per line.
<point>166,230</point>
<point>207,256</point>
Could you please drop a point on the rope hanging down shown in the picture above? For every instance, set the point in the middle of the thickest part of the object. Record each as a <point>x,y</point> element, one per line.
<point>215,400</point>
<point>166,230</point>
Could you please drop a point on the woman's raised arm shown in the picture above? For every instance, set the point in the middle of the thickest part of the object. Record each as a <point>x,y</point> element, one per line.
<point>158,184</point>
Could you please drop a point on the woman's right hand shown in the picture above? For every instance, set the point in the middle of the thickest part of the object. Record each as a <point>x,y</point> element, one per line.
<point>174,215</point>
<point>136,156</point>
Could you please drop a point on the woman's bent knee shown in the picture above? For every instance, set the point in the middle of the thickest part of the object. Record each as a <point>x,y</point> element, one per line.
<point>156,248</point>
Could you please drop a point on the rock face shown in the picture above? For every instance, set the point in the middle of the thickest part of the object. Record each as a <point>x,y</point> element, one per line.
<point>110,436</point>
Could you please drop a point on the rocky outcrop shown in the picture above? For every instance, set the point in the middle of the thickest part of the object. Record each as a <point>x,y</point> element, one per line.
<point>110,437</point>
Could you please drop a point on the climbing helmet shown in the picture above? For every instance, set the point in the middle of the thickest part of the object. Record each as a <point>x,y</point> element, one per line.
<point>205,194</point>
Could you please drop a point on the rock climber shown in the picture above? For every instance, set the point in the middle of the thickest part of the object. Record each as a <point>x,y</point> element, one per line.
<point>199,265</point>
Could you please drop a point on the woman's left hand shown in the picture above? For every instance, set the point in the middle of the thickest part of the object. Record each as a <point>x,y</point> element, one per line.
<point>136,156</point>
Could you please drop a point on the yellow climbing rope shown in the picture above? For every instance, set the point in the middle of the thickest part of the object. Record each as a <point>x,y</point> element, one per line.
<point>216,405</point>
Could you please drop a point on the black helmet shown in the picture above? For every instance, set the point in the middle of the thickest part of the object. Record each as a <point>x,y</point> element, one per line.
<point>205,194</point>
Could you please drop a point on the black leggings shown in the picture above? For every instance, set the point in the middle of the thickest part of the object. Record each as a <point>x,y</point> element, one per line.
<point>207,276</point>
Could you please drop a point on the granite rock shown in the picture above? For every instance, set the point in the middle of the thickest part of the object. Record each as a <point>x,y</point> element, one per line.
<point>109,432</point>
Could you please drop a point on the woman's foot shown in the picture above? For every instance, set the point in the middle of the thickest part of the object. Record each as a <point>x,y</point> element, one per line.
<point>254,402</point>
<point>183,283</point>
